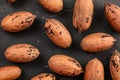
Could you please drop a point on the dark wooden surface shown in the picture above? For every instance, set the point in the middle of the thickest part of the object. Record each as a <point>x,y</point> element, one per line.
<point>36,36</point>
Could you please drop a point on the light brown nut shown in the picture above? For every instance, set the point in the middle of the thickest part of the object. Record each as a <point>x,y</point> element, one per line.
<point>10,72</point>
<point>17,21</point>
<point>44,76</point>
<point>83,14</point>
<point>54,6</point>
<point>115,65</point>
<point>65,65</point>
<point>97,42</point>
<point>21,53</point>
<point>10,1</point>
<point>58,33</point>
<point>94,70</point>
<point>112,13</point>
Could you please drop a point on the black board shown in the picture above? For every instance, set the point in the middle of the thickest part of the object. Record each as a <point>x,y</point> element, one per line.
<point>36,36</point>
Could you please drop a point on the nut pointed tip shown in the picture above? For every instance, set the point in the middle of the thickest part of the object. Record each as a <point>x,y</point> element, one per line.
<point>95,59</point>
<point>116,51</point>
<point>107,4</point>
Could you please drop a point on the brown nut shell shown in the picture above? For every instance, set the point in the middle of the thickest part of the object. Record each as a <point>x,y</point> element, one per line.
<point>94,70</point>
<point>115,65</point>
<point>10,1</point>
<point>54,6</point>
<point>57,33</point>
<point>21,53</point>
<point>17,21</point>
<point>65,65</point>
<point>44,76</point>
<point>10,72</point>
<point>97,42</point>
<point>112,13</point>
<point>83,14</point>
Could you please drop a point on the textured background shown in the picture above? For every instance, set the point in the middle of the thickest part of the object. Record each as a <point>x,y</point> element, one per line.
<point>36,36</point>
